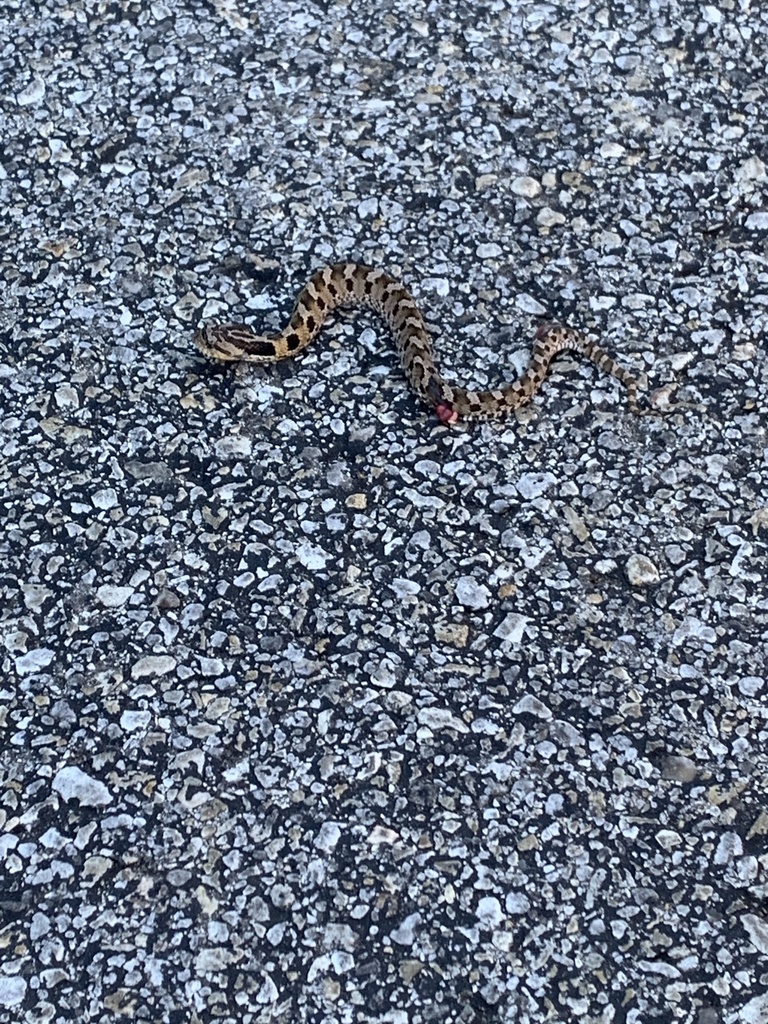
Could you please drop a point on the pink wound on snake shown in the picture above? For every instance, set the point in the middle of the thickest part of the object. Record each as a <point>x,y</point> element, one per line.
<point>446,413</point>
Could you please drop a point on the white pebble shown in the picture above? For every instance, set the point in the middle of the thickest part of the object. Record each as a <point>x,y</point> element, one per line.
<point>532,706</point>
<point>210,961</point>
<point>729,847</point>
<point>328,836</point>
<point>405,933</point>
<point>35,596</point>
<point>690,296</point>
<point>512,628</point>
<point>439,285</point>
<point>40,926</point>
<point>532,485</point>
<point>548,218</point>
<point>752,169</point>
<point>113,597</point>
<point>757,930</point>
<point>489,912</point>
<point>758,221</point>
<point>311,556</point>
<point>641,572</point>
<point>105,498</point>
<point>133,721</point>
<point>527,304</point>
<point>404,588</point>
<point>754,1012</point>
<point>668,839</point>
<point>525,186</point>
<point>517,903</point>
<point>31,94</point>
<point>751,685</point>
<point>153,665</point>
<point>472,594</point>
<point>441,718</point>
<point>489,250</point>
<point>72,783</point>
<point>211,666</point>
<point>12,990</point>
<point>34,660</point>
<point>368,207</point>
<point>233,446</point>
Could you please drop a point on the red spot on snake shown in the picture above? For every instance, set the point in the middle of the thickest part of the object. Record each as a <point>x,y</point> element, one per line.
<point>446,413</point>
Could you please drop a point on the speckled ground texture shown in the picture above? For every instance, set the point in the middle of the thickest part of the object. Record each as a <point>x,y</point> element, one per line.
<point>315,709</point>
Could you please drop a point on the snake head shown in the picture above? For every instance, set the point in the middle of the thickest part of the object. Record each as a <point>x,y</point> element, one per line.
<point>231,342</point>
<point>215,342</point>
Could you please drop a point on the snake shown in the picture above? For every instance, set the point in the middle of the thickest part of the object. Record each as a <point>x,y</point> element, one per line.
<point>353,284</point>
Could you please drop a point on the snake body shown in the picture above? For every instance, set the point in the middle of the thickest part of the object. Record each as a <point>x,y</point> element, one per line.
<point>352,284</point>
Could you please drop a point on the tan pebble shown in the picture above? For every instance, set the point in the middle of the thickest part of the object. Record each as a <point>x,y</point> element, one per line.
<point>452,633</point>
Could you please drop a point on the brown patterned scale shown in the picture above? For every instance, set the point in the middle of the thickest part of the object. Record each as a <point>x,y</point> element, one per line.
<point>352,284</point>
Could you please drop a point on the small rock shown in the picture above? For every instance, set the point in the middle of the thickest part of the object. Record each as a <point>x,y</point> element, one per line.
<point>133,721</point>
<point>489,250</point>
<point>35,596</point>
<point>532,485</point>
<point>72,783</point>
<point>681,769</point>
<point>34,661</point>
<point>549,218</point>
<point>328,836</point>
<point>529,705</point>
<point>405,933</point>
<point>758,221</point>
<point>368,207</point>
<point>441,718</point>
<point>668,839</point>
<point>96,867</point>
<point>380,835</point>
<point>517,903</point>
<point>31,95</point>
<point>311,556</point>
<point>641,572</point>
<point>153,665</point>
<point>12,990</point>
<point>105,498</point>
<point>525,186</point>
<point>512,628</point>
<point>729,847</point>
<point>211,666</point>
<point>472,594</point>
<point>113,597</point>
<point>753,1012</point>
<point>210,961</point>
<point>757,929</point>
<point>453,633</point>
<point>233,447</point>
<point>489,912</point>
<point>753,169</point>
<point>40,926</point>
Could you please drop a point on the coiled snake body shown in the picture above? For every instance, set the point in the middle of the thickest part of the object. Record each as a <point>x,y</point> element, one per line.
<point>352,284</point>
